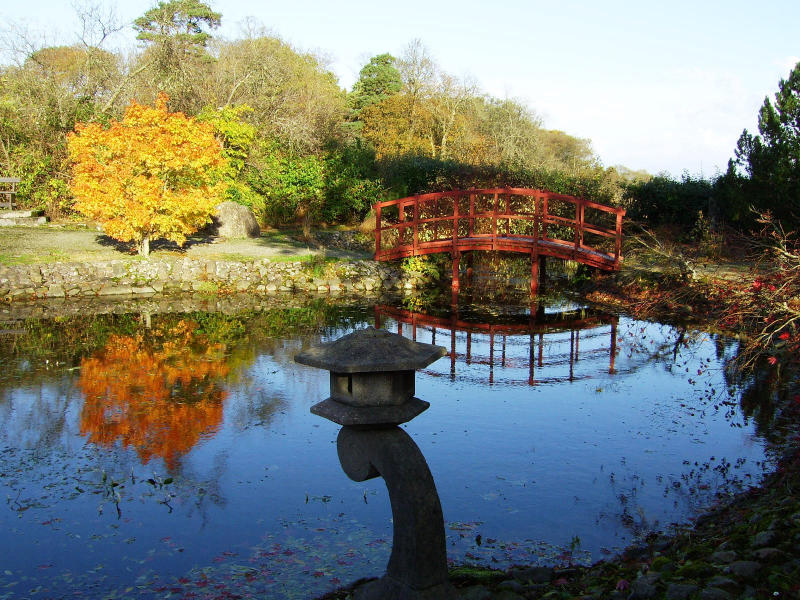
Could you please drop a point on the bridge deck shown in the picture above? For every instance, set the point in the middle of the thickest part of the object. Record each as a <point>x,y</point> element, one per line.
<point>523,244</point>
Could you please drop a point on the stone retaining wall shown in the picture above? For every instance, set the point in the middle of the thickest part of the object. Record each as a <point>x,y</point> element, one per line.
<point>168,276</point>
<point>347,240</point>
<point>12,314</point>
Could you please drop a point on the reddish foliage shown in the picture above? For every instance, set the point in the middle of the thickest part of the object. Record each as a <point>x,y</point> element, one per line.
<point>158,393</point>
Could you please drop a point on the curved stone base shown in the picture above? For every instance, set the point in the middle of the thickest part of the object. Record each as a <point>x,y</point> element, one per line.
<point>386,588</point>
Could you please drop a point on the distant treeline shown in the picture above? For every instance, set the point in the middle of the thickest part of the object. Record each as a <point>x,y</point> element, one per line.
<point>299,146</point>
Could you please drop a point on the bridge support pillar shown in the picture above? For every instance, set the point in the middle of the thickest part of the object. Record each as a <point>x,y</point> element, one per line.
<point>534,273</point>
<point>456,264</point>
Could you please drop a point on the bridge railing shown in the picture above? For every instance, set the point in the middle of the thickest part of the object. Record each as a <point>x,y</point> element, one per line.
<point>512,219</point>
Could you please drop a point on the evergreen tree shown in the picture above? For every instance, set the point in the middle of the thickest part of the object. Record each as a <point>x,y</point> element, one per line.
<point>176,34</point>
<point>378,80</point>
<point>178,23</point>
<point>771,160</point>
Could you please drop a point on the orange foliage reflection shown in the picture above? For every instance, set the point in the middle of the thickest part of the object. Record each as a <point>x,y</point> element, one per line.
<point>158,392</point>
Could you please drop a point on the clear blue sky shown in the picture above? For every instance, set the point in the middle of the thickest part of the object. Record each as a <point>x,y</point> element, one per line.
<point>663,86</point>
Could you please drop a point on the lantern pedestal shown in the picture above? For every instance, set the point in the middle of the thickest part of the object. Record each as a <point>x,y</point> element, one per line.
<point>417,568</point>
<point>372,391</point>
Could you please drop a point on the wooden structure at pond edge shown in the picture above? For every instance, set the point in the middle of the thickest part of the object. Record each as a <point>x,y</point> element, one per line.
<point>8,192</point>
<point>534,222</point>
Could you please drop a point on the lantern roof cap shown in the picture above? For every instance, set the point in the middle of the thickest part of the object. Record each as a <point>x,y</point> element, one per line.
<point>370,350</point>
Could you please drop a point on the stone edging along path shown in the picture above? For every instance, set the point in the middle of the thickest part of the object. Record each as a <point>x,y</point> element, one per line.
<point>156,276</point>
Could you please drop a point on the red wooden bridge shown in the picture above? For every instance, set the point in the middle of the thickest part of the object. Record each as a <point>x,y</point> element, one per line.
<point>534,222</point>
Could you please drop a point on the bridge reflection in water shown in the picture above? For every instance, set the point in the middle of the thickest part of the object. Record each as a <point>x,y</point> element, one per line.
<point>538,342</point>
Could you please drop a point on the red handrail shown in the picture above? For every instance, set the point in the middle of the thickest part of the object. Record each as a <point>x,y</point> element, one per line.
<point>531,233</point>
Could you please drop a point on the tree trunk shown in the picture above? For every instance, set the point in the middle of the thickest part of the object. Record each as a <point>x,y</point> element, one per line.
<point>304,215</point>
<point>307,226</point>
<point>144,246</point>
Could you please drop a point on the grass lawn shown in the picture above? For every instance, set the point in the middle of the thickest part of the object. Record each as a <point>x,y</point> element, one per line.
<point>38,245</point>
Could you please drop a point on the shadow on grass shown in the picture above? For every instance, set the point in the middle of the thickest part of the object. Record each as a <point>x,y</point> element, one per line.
<point>131,248</point>
<point>282,244</point>
<point>289,241</point>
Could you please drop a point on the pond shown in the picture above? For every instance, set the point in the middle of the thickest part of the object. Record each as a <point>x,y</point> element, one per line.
<point>156,454</point>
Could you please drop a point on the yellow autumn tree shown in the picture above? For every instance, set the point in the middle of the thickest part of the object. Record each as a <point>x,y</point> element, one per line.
<point>154,174</point>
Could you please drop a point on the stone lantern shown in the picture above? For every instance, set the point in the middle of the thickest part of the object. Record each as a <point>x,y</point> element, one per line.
<point>372,391</point>
<point>372,377</point>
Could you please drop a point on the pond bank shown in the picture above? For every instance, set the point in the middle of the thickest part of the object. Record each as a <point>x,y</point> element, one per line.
<point>165,276</point>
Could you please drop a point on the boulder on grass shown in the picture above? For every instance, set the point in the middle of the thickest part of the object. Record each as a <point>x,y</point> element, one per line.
<point>233,220</point>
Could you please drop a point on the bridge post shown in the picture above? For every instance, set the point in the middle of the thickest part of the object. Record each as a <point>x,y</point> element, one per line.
<point>613,346</point>
<point>571,354</point>
<point>377,231</point>
<point>531,379</point>
<point>494,221</point>
<point>542,268</point>
<point>540,354</point>
<point>491,356</point>
<point>456,264</point>
<point>534,272</point>
<point>579,212</point>
<point>456,254</point>
<point>453,347</point>
<point>545,216</point>
<point>471,212</point>
<point>416,224</point>
<point>508,211</point>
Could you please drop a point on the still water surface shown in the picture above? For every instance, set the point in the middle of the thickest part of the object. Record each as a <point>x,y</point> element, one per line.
<point>153,455</point>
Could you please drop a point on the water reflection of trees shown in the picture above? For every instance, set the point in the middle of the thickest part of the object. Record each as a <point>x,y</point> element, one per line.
<point>128,361</point>
<point>39,416</point>
<point>157,391</point>
<point>41,359</point>
<point>769,396</point>
<point>761,391</point>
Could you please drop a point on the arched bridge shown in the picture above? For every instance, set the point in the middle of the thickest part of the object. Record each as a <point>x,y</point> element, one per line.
<point>534,222</point>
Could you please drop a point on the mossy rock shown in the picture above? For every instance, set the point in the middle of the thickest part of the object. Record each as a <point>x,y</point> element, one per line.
<point>696,570</point>
<point>659,562</point>
<point>206,287</point>
<point>476,574</point>
<point>698,551</point>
